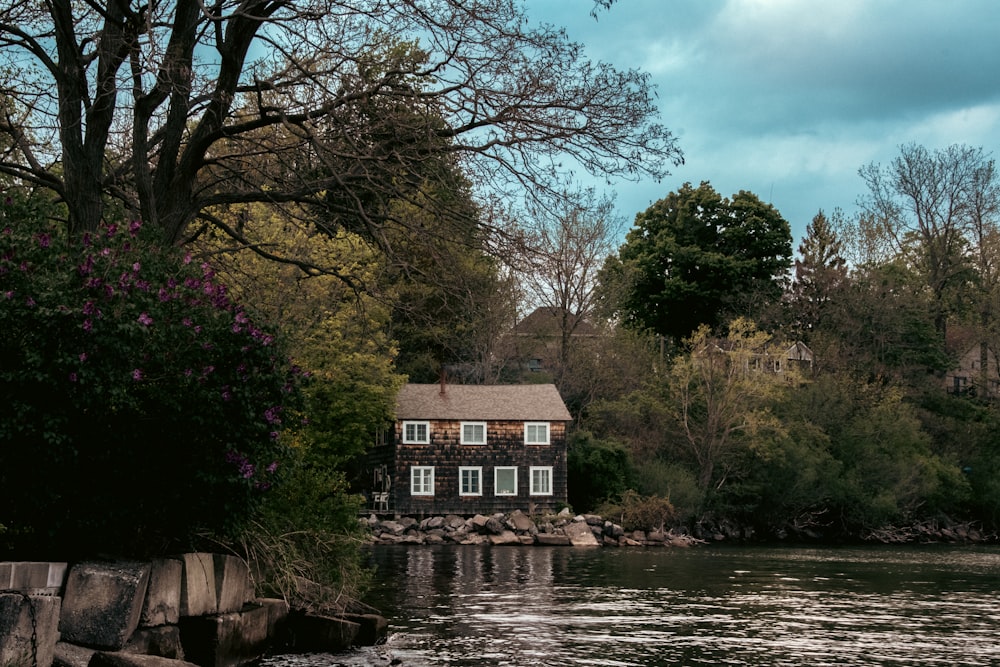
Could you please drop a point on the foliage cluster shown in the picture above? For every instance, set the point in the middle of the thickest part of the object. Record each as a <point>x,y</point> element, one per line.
<point>142,406</point>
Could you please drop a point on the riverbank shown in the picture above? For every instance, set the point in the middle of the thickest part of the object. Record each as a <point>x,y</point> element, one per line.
<point>518,528</point>
<point>566,529</point>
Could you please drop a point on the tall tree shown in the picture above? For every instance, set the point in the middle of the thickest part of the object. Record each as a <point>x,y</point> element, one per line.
<point>189,97</point>
<point>571,239</point>
<point>696,258</point>
<point>820,273</point>
<point>923,204</point>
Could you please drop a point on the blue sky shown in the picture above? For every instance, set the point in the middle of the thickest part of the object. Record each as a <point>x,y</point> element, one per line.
<point>789,98</point>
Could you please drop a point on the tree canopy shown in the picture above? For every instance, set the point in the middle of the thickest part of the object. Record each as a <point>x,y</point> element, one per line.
<point>697,258</point>
<point>171,110</point>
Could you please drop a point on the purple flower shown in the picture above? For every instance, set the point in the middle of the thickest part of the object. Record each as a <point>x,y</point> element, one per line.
<point>272,415</point>
<point>247,469</point>
<point>134,227</point>
<point>72,377</point>
<point>144,319</point>
<point>87,325</point>
<point>137,374</point>
<point>272,467</point>
<point>44,240</point>
<point>83,356</point>
<point>112,230</point>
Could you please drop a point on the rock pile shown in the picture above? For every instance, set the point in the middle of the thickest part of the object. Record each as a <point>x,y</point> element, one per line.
<point>518,528</point>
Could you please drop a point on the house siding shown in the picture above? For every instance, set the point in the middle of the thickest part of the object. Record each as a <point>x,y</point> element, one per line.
<point>504,447</point>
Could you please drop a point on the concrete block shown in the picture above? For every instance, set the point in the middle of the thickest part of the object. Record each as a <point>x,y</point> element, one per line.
<point>277,614</point>
<point>372,628</point>
<point>103,603</point>
<point>23,617</point>
<point>6,569</point>
<point>163,640</point>
<point>198,596</point>
<point>311,633</point>
<point>580,535</point>
<point>71,655</point>
<point>226,640</point>
<point>232,583</point>
<point>104,659</point>
<point>163,595</point>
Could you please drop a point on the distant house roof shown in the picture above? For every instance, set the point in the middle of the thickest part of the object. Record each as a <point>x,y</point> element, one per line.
<point>548,321</point>
<point>522,402</point>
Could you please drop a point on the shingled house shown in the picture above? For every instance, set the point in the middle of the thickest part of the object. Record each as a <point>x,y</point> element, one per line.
<point>472,449</point>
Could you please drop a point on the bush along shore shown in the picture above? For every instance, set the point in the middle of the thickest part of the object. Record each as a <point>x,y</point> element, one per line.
<point>518,528</point>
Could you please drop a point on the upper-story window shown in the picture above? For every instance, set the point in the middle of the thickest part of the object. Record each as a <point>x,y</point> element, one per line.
<point>416,433</point>
<point>473,433</point>
<point>536,433</point>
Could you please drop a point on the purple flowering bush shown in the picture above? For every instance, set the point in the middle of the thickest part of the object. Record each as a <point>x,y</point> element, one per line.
<point>141,406</point>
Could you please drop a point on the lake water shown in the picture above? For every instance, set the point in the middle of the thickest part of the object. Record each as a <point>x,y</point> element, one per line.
<point>458,606</point>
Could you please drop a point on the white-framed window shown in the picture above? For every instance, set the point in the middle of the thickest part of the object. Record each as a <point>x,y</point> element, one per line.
<point>470,481</point>
<point>536,433</point>
<point>416,433</point>
<point>541,480</point>
<point>505,481</point>
<point>473,433</point>
<point>422,481</point>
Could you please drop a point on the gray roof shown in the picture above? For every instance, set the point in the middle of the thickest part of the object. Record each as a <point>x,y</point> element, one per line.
<point>522,402</point>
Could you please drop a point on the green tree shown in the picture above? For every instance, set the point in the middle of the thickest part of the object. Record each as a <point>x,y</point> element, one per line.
<point>695,258</point>
<point>820,277</point>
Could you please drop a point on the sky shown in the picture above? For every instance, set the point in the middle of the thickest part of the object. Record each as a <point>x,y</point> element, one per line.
<point>790,98</point>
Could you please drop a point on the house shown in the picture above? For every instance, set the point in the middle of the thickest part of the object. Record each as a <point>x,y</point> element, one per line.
<point>472,449</point>
<point>534,344</point>
<point>973,377</point>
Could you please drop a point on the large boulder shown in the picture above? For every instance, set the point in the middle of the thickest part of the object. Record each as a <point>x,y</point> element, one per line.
<point>580,534</point>
<point>104,659</point>
<point>103,602</point>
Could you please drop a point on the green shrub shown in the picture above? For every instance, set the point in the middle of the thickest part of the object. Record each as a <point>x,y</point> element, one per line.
<point>141,406</point>
<point>598,470</point>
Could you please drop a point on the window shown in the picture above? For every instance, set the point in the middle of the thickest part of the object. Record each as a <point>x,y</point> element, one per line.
<point>473,433</point>
<point>416,433</point>
<point>536,433</point>
<point>422,481</point>
<point>470,481</point>
<point>505,481</point>
<point>541,481</point>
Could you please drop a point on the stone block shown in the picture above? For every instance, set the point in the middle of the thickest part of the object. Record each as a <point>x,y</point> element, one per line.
<point>103,603</point>
<point>372,628</point>
<point>32,577</point>
<point>227,640</point>
<point>312,633</point>
<point>198,594</point>
<point>71,655</point>
<point>504,538</point>
<point>277,614</point>
<point>105,659</point>
<point>163,640</point>
<point>23,617</point>
<point>232,583</point>
<point>162,605</point>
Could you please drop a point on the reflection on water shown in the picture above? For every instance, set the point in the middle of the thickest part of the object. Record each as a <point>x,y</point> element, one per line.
<point>704,606</point>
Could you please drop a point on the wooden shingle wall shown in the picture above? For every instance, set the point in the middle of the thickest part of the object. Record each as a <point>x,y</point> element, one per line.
<point>504,447</point>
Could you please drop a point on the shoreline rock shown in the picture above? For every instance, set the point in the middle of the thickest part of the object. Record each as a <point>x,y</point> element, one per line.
<point>519,529</point>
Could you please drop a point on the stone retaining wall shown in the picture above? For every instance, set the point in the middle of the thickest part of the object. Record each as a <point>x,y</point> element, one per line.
<point>518,528</point>
<point>197,608</point>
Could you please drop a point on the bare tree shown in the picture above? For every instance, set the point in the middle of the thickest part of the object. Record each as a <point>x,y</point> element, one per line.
<point>568,245</point>
<point>924,205</point>
<point>177,108</point>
